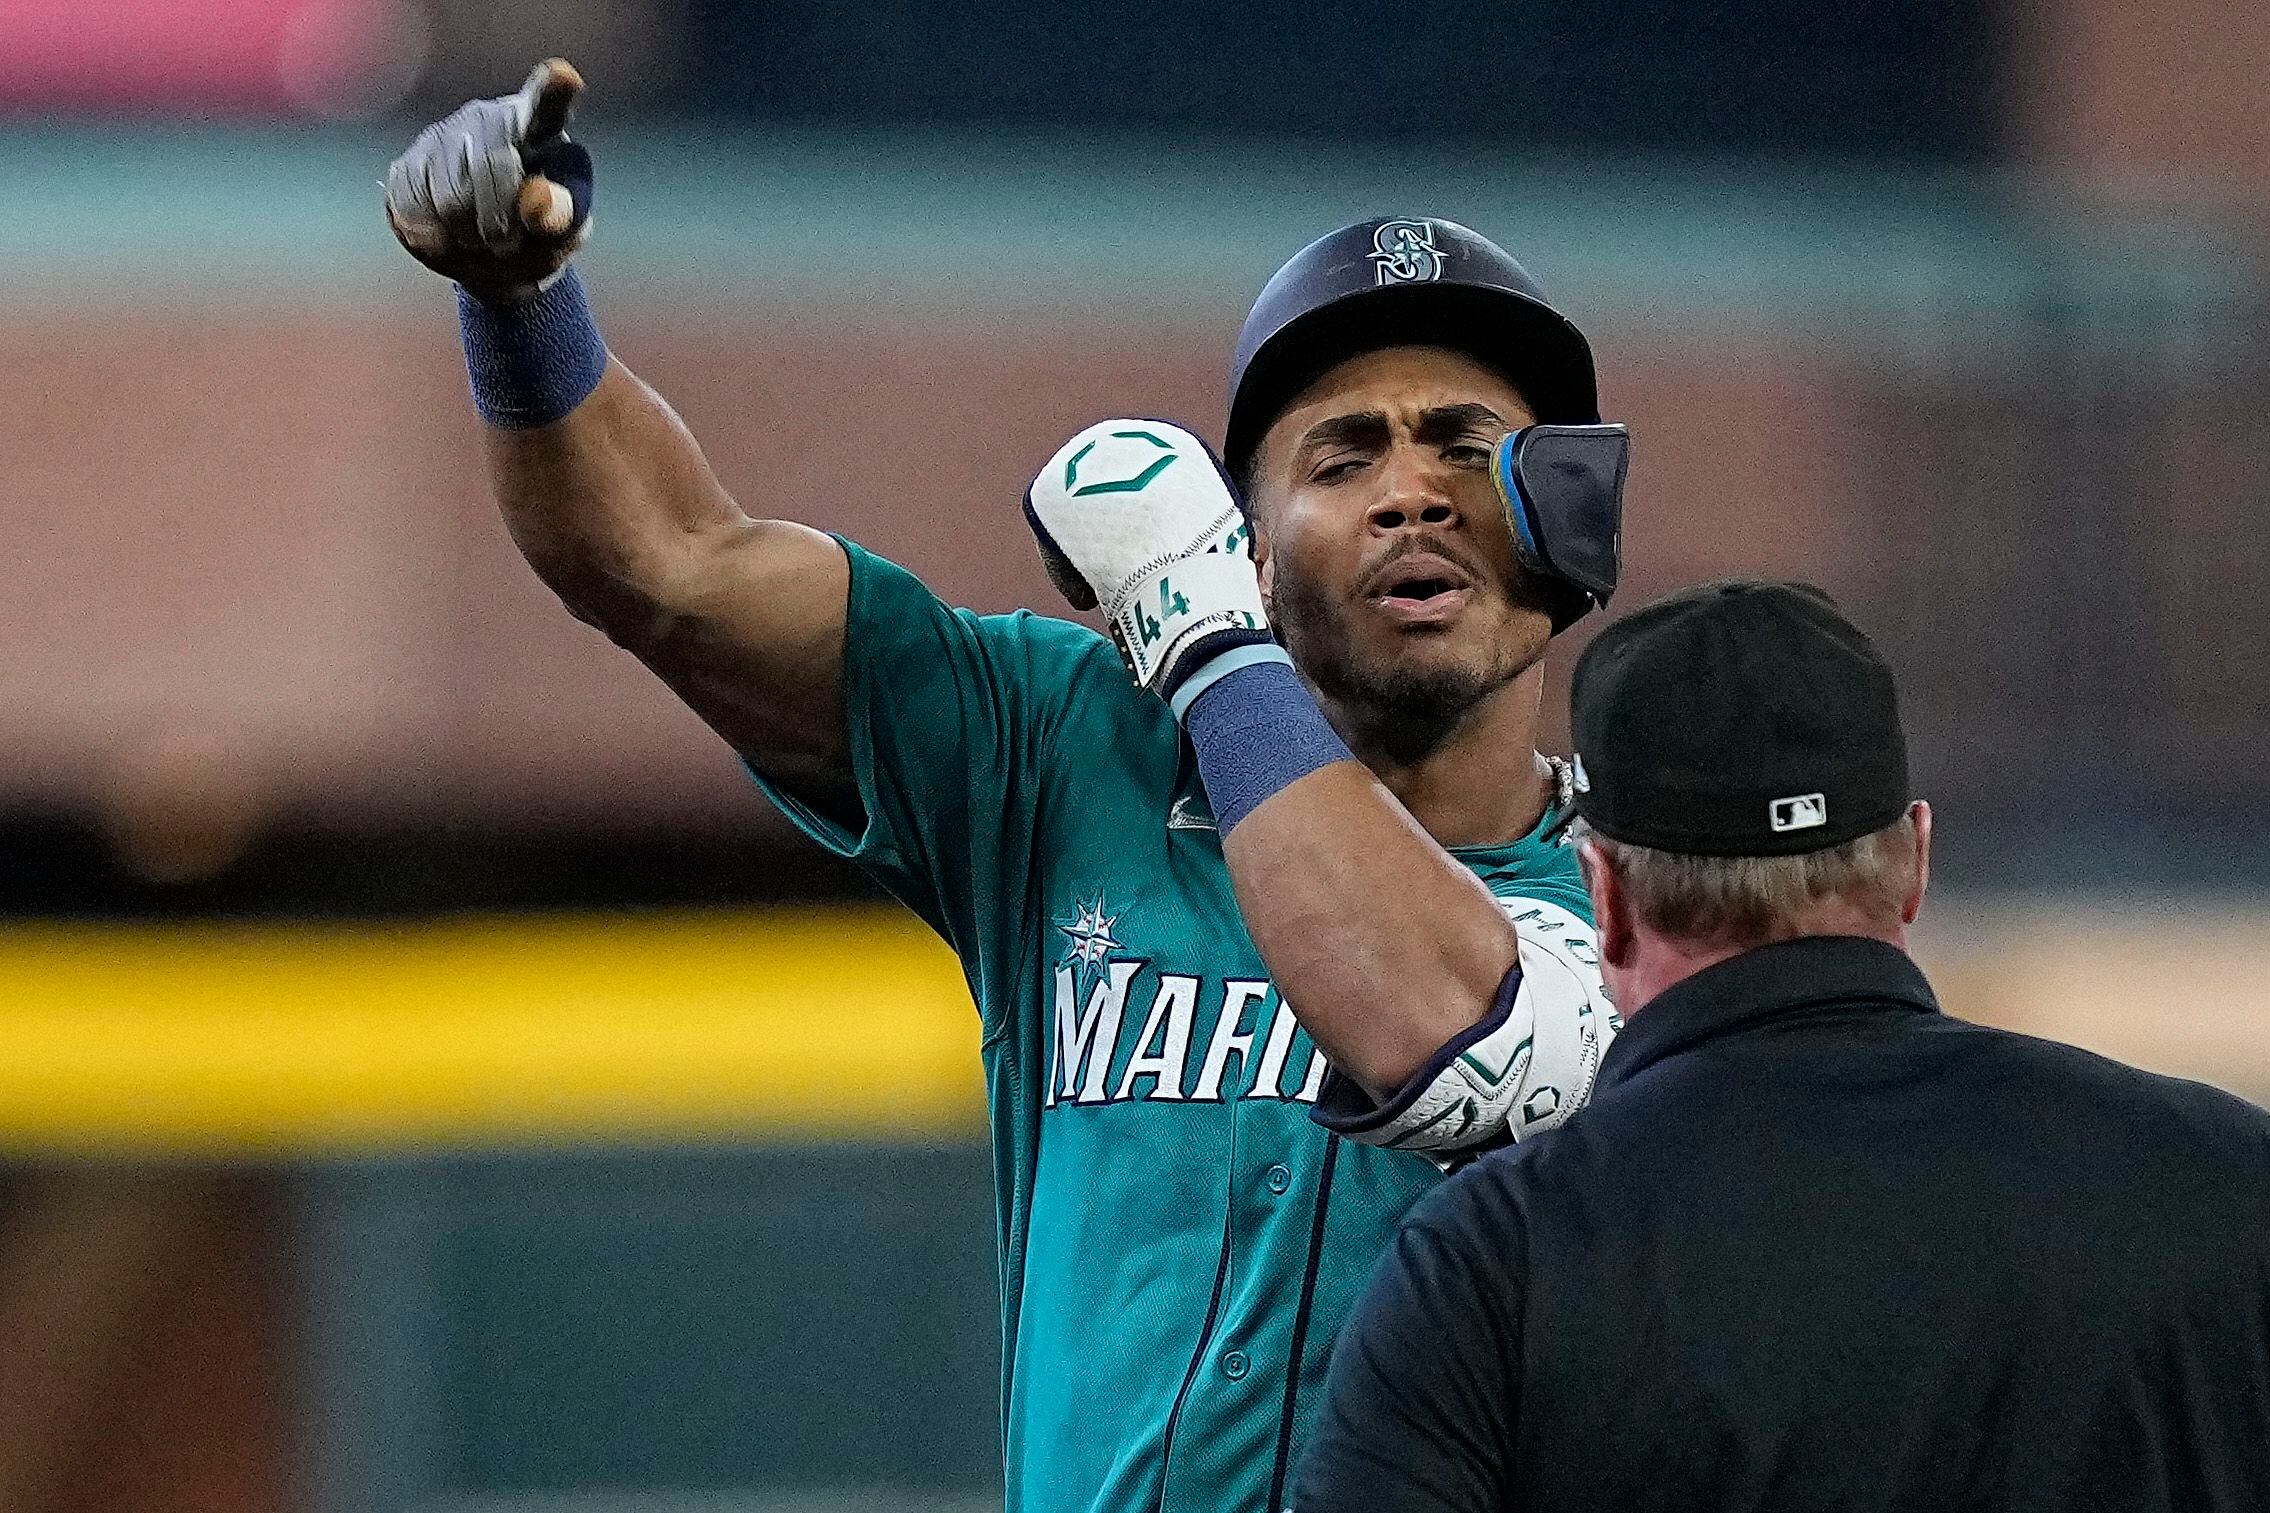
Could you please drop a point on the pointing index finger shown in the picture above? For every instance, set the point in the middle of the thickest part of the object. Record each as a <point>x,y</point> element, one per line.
<point>547,100</point>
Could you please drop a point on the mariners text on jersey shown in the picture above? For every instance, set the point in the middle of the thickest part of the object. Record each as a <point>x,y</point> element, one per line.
<point>1179,1239</point>
<point>1091,1013</point>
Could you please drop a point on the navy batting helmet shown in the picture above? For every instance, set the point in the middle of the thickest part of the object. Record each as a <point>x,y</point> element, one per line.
<point>1418,281</point>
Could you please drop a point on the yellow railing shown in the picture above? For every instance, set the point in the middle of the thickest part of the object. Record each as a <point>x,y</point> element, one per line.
<point>292,1039</point>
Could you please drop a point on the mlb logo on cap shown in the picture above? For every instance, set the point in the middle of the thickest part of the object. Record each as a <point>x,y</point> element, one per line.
<point>1801,811</point>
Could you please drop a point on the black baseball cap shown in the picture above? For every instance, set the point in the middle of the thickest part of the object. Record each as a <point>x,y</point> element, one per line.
<point>1737,719</point>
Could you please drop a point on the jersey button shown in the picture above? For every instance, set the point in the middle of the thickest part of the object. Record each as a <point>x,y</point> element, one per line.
<point>1235,1365</point>
<point>1280,1178</point>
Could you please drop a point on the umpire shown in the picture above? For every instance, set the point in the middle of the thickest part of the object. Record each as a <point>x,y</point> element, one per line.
<point>1814,1244</point>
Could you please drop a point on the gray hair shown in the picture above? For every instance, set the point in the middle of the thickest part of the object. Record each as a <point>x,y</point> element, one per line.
<point>1735,900</point>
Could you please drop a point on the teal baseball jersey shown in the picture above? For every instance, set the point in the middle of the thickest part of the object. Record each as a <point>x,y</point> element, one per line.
<point>1180,1240</point>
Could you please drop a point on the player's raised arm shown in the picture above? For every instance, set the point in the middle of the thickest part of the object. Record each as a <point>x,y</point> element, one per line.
<point>603,488</point>
<point>1399,962</point>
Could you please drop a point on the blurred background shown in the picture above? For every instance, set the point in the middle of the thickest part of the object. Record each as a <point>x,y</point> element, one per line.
<point>431,1079</point>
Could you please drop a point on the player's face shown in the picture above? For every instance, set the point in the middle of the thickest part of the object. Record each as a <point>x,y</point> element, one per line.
<point>1386,556</point>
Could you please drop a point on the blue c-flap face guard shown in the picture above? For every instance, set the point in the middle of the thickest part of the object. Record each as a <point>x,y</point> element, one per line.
<point>1563,488</point>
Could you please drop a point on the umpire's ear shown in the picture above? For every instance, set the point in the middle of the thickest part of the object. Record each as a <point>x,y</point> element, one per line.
<point>1611,905</point>
<point>1919,814</point>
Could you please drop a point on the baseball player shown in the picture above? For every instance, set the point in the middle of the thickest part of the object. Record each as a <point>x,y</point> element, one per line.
<point>1179,1237</point>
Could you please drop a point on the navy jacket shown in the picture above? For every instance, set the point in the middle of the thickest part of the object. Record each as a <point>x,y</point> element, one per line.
<point>1815,1245</point>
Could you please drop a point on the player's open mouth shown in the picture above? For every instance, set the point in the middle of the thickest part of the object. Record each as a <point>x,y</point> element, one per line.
<point>1421,588</point>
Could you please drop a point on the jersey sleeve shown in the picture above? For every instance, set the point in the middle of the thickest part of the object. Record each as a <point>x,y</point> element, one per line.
<point>1419,1402</point>
<point>1524,1068</point>
<point>952,719</point>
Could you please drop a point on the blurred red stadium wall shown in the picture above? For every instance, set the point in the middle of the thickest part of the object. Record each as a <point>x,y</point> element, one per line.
<point>290,591</point>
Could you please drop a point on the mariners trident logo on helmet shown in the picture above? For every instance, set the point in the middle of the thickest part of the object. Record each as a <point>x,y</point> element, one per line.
<point>1405,253</point>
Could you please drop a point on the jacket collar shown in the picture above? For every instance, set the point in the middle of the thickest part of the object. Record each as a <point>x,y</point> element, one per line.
<point>1772,982</point>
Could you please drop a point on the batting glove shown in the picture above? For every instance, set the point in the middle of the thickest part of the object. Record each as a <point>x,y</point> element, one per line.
<point>1138,518</point>
<point>494,195</point>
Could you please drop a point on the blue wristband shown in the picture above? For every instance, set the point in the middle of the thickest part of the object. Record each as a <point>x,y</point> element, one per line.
<point>1257,731</point>
<point>1219,666</point>
<point>531,362</point>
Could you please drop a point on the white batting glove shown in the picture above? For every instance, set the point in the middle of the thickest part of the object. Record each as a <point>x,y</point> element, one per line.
<point>1138,518</point>
<point>494,195</point>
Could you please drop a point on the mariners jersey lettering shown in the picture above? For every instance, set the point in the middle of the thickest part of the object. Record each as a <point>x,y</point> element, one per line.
<point>1179,1239</point>
<point>1245,1055</point>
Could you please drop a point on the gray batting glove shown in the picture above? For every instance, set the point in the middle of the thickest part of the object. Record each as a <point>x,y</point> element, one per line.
<point>494,195</point>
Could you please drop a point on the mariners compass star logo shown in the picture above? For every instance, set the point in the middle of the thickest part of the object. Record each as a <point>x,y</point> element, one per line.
<point>1090,941</point>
